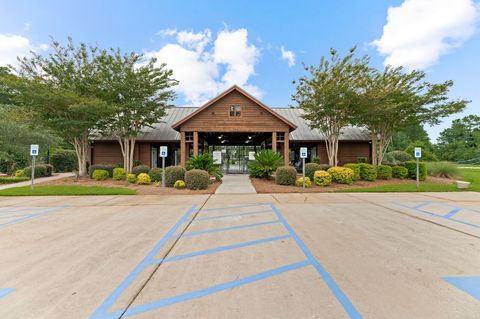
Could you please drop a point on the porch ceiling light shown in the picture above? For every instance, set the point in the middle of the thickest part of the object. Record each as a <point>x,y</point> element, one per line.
<point>249,137</point>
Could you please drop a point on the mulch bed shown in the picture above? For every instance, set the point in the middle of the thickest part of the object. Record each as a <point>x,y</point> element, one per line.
<point>265,186</point>
<point>141,189</point>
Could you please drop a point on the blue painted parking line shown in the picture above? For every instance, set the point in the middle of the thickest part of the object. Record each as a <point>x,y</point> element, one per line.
<point>12,210</point>
<point>422,204</point>
<point>233,215</point>
<point>30,216</point>
<point>451,213</point>
<point>5,291</point>
<point>469,284</point>
<point>232,207</point>
<point>216,230</point>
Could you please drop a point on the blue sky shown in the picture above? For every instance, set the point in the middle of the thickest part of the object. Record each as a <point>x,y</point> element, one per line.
<point>260,45</point>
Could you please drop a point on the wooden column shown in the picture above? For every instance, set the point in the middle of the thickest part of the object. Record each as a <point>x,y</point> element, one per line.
<point>195,143</point>
<point>274,141</point>
<point>183,148</point>
<point>286,150</point>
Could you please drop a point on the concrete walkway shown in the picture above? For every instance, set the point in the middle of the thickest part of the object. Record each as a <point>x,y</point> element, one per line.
<point>236,184</point>
<point>38,180</point>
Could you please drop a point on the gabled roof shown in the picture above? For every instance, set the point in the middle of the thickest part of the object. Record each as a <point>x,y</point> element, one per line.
<point>177,125</point>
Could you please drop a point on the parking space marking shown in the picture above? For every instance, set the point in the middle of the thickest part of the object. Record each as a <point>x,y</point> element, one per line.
<point>422,208</point>
<point>5,291</point>
<point>233,215</point>
<point>468,284</point>
<point>26,216</point>
<point>102,311</point>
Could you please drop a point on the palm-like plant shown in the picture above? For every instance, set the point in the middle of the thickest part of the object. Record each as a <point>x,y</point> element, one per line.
<point>266,162</point>
<point>205,162</point>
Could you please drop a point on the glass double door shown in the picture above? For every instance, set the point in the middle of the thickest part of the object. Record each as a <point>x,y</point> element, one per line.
<point>235,158</point>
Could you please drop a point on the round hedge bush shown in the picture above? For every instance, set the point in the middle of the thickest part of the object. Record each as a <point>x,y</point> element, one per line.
<point>324,167</point>
<point>20,173</point>
<point>137,170</point>
<point>341,175</point>
<point>41,170</point>
<point>285,175</point>
<point>356,170</point>
<point>64,160</point>
<point>179,184</point>
<point>143,179</point>
<point>196,179</point>
<point>308,182</point>
<point>100,175</point>
<point>310,169</point>
<point>399,172</point>
<point>108,167</point>
<point>412,169</point>
<point>131,178</point>
<point>173,174</point>
<point>119,173</point>
<point>155,174</point>
<point>322,178</point>
<point>384,172</point>
<point>368,172</point>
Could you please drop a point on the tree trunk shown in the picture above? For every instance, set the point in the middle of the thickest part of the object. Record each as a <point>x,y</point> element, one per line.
<point>374,148</point>
<point>127,145</point>
<point>331,144</point>
<point>81,145</point>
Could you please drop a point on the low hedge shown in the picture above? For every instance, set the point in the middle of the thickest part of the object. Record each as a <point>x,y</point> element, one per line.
<point>143,179</point>
<point>108,167</point>
<point>155,174</point>
<point>139,169</point>
<point>310,169</point>
<point>356,170</point>
<point>11,180</point>
<point>412,170</point>
<point>20,173</point>
<point>368,172</point>
<point>196,179</point>
<point>324,167</point>
<point>41,170</point>
<point>173,174</point>
<point>308,182</point>
<point>384,172</point>
<point>341,175</point>
<point>285,175</point>
<point>179,184</point>
<point>399,172</point>
<point>100,175</point>
<point>322,178</point>
<point>64,160</point>
<point>131,178</point>
<point>119,173</point>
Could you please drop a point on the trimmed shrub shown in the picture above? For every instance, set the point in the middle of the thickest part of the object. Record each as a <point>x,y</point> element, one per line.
<point>324,167</point>
<point>356,170</point>
<point>443,169</point>
<point>310,169</point>
<point>119,173</point>
<point>316,159</point>
<point>179,184</point>
<point>285,175</point>
<point>368,172</point>
<point>108,167</point>
<point>398,157</point>
<point>412,170</point>
<point>266,162</point>
<point>322,178</point>
<point>137,163</point>
<point>341,175</point>
<point>308,182</point>
<point>41,170</point>
<point>362,159</point>
<point>10,180</point>
<point>143,179</point>
<point>205,162</point>
<point>137,170</point>
<point>399,172</point>
<point>155,174</point>
<point>64,160</point>
<point>100,175</point>
<point>173,174</point>
<point>131,178</point>
<point>20,173</point>
<point>384,172</point>
<point>196,179</point>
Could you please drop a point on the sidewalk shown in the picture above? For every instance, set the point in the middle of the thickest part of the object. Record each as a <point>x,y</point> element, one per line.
<point>38,180</point>
<point>236,184</point>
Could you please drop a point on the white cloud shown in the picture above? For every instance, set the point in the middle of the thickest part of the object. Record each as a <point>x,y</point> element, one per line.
<point>169,32</point>
<point>205,67</point>
<point>11,46</point>
<point>288,56</point>
<point>418,32</point>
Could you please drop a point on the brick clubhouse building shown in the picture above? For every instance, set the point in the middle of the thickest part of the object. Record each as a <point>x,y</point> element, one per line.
<point>232,126</point>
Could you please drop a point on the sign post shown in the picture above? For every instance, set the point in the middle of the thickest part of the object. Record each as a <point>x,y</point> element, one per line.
<point>418,155</point>
<point>33,153</point>
<point>303,156</point>
<point>163,154</point>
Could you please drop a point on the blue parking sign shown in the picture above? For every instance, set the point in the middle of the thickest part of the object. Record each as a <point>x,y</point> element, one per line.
<point>34,150</point>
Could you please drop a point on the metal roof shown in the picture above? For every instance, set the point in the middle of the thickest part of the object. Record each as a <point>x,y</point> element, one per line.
<point>163,130</point>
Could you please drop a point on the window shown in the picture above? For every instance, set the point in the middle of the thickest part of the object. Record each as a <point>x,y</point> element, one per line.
<point>280,136</point>
<point>189,136</point>
<point>235,110</point>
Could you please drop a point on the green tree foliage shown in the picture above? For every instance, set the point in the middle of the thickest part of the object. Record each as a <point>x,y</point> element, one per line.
<point>461,141</point>
<point>415,132</point>
<point>427,151</point>
<point>328,95</point>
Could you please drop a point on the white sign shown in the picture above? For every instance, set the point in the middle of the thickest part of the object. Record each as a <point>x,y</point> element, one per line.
<point>217,157</point>
<point>163,151</point>
<point>303,152</point>
<point>251,156</point>
<point>34,149</point>
<point>418,152</point>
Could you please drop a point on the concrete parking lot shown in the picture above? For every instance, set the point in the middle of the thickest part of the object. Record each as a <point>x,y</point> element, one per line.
<point>241,256</point>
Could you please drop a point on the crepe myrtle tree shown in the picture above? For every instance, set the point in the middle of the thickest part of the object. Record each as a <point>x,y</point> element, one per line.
<point>393,100</point>
<point>140,93</point>
<point>327,95</point>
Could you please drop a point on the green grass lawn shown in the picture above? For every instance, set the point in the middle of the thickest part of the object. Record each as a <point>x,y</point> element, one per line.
<point>472,175</point>
<point>424,187</point>
<point>66,190</point>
